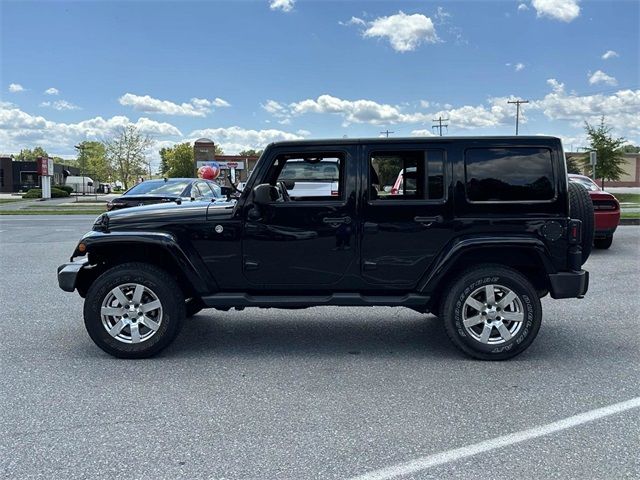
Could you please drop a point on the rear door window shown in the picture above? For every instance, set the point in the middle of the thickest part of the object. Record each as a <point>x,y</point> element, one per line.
<point>509,174</point>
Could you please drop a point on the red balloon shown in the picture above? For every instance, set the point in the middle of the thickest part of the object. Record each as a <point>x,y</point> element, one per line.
<point>209,172</point>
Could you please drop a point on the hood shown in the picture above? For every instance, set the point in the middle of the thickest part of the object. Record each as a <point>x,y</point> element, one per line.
<point>155,215</point>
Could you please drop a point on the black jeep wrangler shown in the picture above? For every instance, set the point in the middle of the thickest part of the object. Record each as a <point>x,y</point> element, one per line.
<point>473,230</point>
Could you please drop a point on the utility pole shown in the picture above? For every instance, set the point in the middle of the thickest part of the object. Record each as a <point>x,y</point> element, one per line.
<point>518,103</point>
<point>439,121</point>
<point>386,132</point>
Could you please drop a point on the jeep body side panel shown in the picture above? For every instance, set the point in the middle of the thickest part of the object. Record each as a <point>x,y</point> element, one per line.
<point>299,245</point>
<point>402,236</point>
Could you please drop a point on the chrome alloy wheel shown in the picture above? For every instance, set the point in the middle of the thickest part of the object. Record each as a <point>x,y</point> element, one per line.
<point>131,313</point>
<point>493,314</point>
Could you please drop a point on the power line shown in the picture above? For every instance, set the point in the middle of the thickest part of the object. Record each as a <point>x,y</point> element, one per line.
<point>439,120</point>
<point>518,103</point>
<point>386,132</point>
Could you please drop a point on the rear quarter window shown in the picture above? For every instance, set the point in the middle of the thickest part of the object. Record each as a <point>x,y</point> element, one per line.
<point>509,174</point>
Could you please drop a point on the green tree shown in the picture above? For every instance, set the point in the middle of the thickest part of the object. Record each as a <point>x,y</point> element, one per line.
<point>28,155</point>
<point>126,151</point>
<point>573,166</point>
<point>250,153</point>
<point>609,151</point>
<point>93,161</point>
<point>631,149</point>
<point>219,150</point>
<point>178,160</point>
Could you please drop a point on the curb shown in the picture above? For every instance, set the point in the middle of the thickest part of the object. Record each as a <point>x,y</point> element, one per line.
<point>630,221</point>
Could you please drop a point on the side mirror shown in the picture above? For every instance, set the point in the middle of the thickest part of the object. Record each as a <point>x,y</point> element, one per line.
<point>226,191</point>
<point>264,194</point>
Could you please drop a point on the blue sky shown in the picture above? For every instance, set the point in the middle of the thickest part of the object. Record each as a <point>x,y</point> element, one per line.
<point>245,73</point>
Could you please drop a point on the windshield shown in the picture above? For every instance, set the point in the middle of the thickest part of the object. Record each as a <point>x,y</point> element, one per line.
<point>301,171</point>
<point>159,187</point>
<point>586,183</point>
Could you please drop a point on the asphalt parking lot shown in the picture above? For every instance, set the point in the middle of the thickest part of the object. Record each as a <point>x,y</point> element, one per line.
<point>319,393</point>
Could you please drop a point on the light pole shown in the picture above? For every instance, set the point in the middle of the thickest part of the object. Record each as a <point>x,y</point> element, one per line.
<point>80,147</point>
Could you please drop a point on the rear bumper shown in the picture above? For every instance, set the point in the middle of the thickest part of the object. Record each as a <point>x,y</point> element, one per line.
<point>606,222</point>
<point>569,284</point>
<point>68,274</point>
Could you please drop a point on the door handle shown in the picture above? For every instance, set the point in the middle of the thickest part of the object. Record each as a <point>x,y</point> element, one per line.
<point>332,220</point>
<point>370,227</point>
<point>429,220</point>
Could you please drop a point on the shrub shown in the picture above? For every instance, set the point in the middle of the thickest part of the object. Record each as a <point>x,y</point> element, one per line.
<point>66,188</point>
<point>37,193</point>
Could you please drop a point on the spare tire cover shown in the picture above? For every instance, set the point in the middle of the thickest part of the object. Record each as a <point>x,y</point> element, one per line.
<point>581,208</point>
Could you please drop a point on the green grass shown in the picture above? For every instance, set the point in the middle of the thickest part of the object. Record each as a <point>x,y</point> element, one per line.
<point>68,211</point>
<point>10,200</point>
<point>628,197</point>
<point>627,215</point>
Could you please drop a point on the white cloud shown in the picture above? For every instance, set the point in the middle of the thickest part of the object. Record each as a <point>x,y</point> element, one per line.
<point>555,85</point>
<point>19,129</point>
<point>522,7</point>
<point>519,66</point>
<point>372,112</point>
<point>51,91</point>
<point>235,139</point>
<point>422,133</point>
<point>354,21</point>
<point>60,105</point>
<point>355,111</point>
<point>404,32</point>
<point>620,109</point>
<point>609,54</point>
<point>283,5</point>
<point>425,104</point>
<point>275,108</point>
<point>563,10</point>
<point>196,107</point>
<point>600,77</point>
<point>16,88</point>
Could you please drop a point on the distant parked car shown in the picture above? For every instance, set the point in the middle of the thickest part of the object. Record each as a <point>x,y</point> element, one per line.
<point>168,190</point>
<point>606,211</point>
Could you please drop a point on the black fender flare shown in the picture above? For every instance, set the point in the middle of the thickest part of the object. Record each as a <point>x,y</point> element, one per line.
<point>463,245</point>
<point>186,260</point>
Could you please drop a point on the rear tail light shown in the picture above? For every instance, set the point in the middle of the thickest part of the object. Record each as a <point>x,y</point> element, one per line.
<point>605,205</point>
<point>334,193</point>
<point>575,231</point>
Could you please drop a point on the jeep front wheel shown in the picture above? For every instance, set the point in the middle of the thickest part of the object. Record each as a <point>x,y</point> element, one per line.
<point>492,313</point>
<point>134,310</point>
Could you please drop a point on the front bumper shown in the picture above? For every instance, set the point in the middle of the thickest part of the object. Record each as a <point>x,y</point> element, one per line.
<point>569,284</point>
<point>68,274</point>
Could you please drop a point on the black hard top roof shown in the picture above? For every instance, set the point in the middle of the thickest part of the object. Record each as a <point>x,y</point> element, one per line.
<point>520,139</point>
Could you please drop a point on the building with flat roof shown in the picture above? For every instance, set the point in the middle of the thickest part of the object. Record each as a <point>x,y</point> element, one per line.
<point>204,152</point>
<point>21,176</point>
<point>631,167</point>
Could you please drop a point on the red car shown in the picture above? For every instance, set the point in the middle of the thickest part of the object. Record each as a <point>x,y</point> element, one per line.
<point>606,211</point>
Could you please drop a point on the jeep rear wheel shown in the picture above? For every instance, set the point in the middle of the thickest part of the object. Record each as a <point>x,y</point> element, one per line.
<point>134,310</point>
<point>492,313</point>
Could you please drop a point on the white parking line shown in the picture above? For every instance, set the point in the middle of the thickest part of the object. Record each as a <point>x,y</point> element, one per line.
<point>429,461</point>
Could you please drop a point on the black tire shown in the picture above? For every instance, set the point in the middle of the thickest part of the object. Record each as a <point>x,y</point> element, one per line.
<point>603,243</point>
<point>157,285</point>
<point>193,306</point>
<point>528,307</point>
<point>581,208</point>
